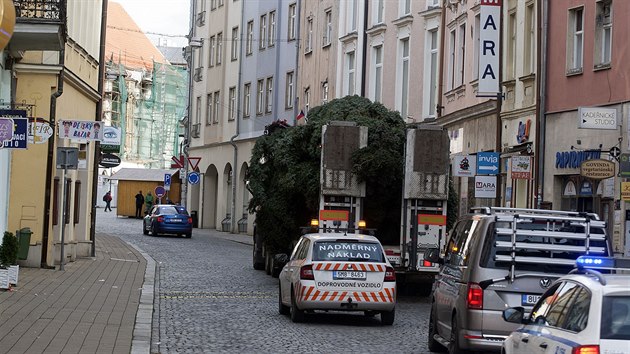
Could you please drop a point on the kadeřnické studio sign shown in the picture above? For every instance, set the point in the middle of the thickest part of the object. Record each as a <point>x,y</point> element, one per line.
<point>597,169</point>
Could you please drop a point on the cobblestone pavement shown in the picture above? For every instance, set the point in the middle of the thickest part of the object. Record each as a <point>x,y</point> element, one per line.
<point>209,299</point>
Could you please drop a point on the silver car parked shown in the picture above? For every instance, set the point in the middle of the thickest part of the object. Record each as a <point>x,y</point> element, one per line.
<point>498,258</point>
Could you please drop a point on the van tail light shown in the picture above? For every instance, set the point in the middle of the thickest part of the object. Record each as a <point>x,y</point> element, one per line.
<point>427,264</point>
<point>474,300</point>
<point>586,349</point>
<point>390,274</point>
<point>306,272</point>
<point>190,220</point>
<point>160,219</point>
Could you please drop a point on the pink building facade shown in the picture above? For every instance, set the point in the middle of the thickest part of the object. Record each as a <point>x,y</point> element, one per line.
<point>587,96</point>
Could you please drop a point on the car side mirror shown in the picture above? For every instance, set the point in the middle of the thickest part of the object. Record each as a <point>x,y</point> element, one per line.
<point>281,259</point>
<point>514,314</point>
<point>433,255</point>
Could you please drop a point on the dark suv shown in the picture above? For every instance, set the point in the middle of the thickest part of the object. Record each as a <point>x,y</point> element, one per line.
<point>503,257</point>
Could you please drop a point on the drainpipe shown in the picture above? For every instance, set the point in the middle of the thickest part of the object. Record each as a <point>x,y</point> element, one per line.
<point>187,137</point>
<point>99,117</point>
<point>50,158</point>
<point>296,71</point>
<point>439,108</point>
<point>542,94</point>
<point>365,48</point>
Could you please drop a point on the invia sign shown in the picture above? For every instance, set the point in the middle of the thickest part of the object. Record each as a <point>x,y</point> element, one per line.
<point>490,17</point>
<point>487,163</point>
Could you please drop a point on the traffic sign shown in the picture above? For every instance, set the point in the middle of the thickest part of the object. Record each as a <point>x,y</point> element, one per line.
<point>160,191</point>
<point>194,162</point>
<point>193,177</point>
<point>167,181</point>
<point>487,163</point>
<point>615,152</point>
<point>178,162</point>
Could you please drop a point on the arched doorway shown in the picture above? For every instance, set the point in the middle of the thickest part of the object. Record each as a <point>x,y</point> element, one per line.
<point>209,198</point>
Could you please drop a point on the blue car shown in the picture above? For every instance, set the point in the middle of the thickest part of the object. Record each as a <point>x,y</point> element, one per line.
<point>167,219</point>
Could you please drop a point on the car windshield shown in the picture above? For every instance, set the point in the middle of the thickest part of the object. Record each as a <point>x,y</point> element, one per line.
<point>490,249</point>
<point>171,210</point>
<point>615,321</point>
<point>347,251</point>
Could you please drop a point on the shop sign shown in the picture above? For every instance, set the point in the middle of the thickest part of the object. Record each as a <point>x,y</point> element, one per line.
<point>569,189</point>
<point>464,166</point>
<point>486,187</point>
<point>523,131</point>
<point>597,118</point>
<point>574,158</point>
<point>521,167</point>
<point>490,18</point>
<point>586,188</point>
<point>624,165</point>
<point>597,169</point>
<point>625,191</point>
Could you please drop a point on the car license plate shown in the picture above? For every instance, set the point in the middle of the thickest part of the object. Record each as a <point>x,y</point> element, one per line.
<point>176,220</point>
<point>528,299</point>
<point>344,274</point>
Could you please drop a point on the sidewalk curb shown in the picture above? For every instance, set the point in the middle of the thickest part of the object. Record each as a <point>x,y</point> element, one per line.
<point>141,340</point>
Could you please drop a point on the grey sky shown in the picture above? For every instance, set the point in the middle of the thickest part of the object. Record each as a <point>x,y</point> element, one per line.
<point>171,17</point>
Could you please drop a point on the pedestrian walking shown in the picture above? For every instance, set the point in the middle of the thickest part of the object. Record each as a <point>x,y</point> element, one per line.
<point>139,205</point>
<point>107,198</point>
<point>148,200</point>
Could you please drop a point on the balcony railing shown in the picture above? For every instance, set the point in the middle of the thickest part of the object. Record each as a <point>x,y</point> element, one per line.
<point>39,25</point>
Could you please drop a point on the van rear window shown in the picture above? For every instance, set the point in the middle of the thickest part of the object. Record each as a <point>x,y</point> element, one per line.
<point>342,251</point>
<point>490,251</point>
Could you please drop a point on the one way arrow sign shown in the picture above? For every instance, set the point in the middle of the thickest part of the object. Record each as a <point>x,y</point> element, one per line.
<point>178,162</point>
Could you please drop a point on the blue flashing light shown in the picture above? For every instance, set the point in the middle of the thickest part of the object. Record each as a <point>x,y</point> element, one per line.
<point>595,262</point>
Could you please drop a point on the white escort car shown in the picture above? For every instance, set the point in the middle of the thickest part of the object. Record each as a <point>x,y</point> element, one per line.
<point>585,312</point>
<point>339,272</point>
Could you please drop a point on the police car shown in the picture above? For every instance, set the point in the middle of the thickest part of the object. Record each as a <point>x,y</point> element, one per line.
<point>583,312</point>
<point>340,272</point>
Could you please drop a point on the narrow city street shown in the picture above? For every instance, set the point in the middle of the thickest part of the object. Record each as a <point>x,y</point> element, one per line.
<point>208,298</point>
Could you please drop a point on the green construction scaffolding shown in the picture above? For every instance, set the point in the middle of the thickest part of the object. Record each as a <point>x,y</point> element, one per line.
<point>148,107</point>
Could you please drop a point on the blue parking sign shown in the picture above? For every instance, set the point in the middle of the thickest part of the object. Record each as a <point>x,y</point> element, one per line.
<point>167,181</point>
<point>488,163</point>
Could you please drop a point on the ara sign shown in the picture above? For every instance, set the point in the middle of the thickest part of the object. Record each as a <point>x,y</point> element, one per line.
<point>489,51</point>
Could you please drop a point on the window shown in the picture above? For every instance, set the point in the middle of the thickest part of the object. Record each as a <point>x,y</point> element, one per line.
<point>404,77</point>
<point>232,104</point>
<point>213,5</point>
<point>219,48</point>
<point>56,193</point>
<point>511,55</point>
<point>529,65</point>
<point>405,7</point>
<point>556,314</point>
<point>269,95</point>
<point>235,43</point>
<point>615,320</point>
<point>209,110</point>
<point>288,100</point>
<point>328,28</point>
<point>603,33</point>
<point>307,100</point>
<point>378,10</point>
<point>271,39</point>
<point>325,92</point>
<point>477,43</point>
<point>377,53</point>
<point>246,99</point>
<point>433,65</point>
<point>461,62</point>
<point>213,43</point>
<point>459,245</point>
<point>352,15</point>
<point>451,61</point>
<point>433,3</point>
<point>291,27</point>
<point>309,35</point>
<point>576,316</point>
<point>198,110</point>
<point>350,71</point>
<point>66,220</point>
<point>217,111</point>
<point>250,38</point>
<point>260,103</point>
<point>220,3</point>
<point>263,32</point>
<point>575,46</point>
